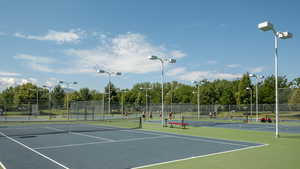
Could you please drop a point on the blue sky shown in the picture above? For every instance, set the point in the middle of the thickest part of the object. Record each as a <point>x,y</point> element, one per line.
<point>46,41</point>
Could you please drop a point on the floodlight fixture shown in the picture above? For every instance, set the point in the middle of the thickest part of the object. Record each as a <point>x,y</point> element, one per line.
<point>285,35</point>
<point>100,71</point>
<point>152,57</point>
<point>265,26</point>
<point>172,60</point>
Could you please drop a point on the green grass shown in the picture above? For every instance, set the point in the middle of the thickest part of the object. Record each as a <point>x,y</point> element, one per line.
<point>280,153</point>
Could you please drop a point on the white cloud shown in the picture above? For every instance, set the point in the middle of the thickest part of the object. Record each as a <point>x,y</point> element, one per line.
<point>210,75</point>
<point>125,53</point>
<point>257,69</point>
<point>9,74</point>
<point>212,62</point>
<point>71,36</point>
<point>51,82</point>
<point>40,67</point>
<point>233,66</point>
<point>13,81</point>
<point>177,54</point>
<point>37,63</point>
<point>176,71</point>
<point>36,59</point>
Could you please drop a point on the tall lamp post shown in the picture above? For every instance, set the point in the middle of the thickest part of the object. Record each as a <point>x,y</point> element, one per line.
<point>267,26</point>
<point>103,104</point>
<point>68,86</point>
<point>37,97</point>
<point>248,88</point>
<point>49,89</point>
<point>123,98</point>
<point>162,60</point>
<point>198,83</point>
<point>257,77</point>
<point>109,84</point>
<point>146,89</point>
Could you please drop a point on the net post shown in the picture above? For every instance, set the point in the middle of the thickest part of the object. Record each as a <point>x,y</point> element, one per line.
<point>182,122</point>
<point>140,122</point>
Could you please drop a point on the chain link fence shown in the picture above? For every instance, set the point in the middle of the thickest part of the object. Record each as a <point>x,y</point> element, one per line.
<point>89,110</point>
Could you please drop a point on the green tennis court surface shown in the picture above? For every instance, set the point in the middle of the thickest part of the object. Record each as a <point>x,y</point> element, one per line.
<point>108,147</point>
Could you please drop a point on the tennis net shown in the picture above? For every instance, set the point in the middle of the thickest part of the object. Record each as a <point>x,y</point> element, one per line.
<point>212,121</point>
<point>28,128</point>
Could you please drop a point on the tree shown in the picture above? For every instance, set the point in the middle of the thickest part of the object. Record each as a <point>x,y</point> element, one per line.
<point>296,82</point>
<point>74,96</point>
<point>243,96</point>
<point>113,93</point>
<point>183,93</point>
<point>267,89</point>
<point>58,95</point>
<point>95,95</point>
<point>295,98</point>
<point>84,94</point>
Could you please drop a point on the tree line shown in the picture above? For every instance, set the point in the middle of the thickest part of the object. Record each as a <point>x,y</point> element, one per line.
<point>223,92</point>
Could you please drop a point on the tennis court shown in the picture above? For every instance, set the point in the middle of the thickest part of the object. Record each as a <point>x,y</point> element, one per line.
<point>89,145</point>
<point>240,124</point>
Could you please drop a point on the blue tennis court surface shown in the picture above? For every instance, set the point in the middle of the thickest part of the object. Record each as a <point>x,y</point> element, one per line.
<point>115,149</point>
<point>246,126</point>
<point>240,126</point>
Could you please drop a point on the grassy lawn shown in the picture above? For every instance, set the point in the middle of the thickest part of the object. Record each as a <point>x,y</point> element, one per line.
<point>280,153</point>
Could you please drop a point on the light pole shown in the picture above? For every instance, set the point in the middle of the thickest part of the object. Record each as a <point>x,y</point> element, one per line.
<point>256,91</point>
<point>49,89</point>
<point>146,89</point>
<point>162,60</point>
<point>172,93</point>
<point>109,83</point>
<point>123,98</point>
<point>267,26</point>
<point>37,97</point>
<point>248,88</point>
<point>103,104</point>
<point>68,85</point>
<point>198,83</point>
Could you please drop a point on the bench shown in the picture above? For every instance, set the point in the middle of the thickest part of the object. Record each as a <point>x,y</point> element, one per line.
<point>183,125</point>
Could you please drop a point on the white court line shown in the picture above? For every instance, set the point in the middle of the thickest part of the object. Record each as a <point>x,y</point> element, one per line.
<point>70,145</point>
<point>2,166</point>
<point>207,137</point>
<point>195,139</point>
<point>86,135</point>
<point>212,154</point>
<point>46,157</point>
<point>100,142</point>
<point>91,136</point>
